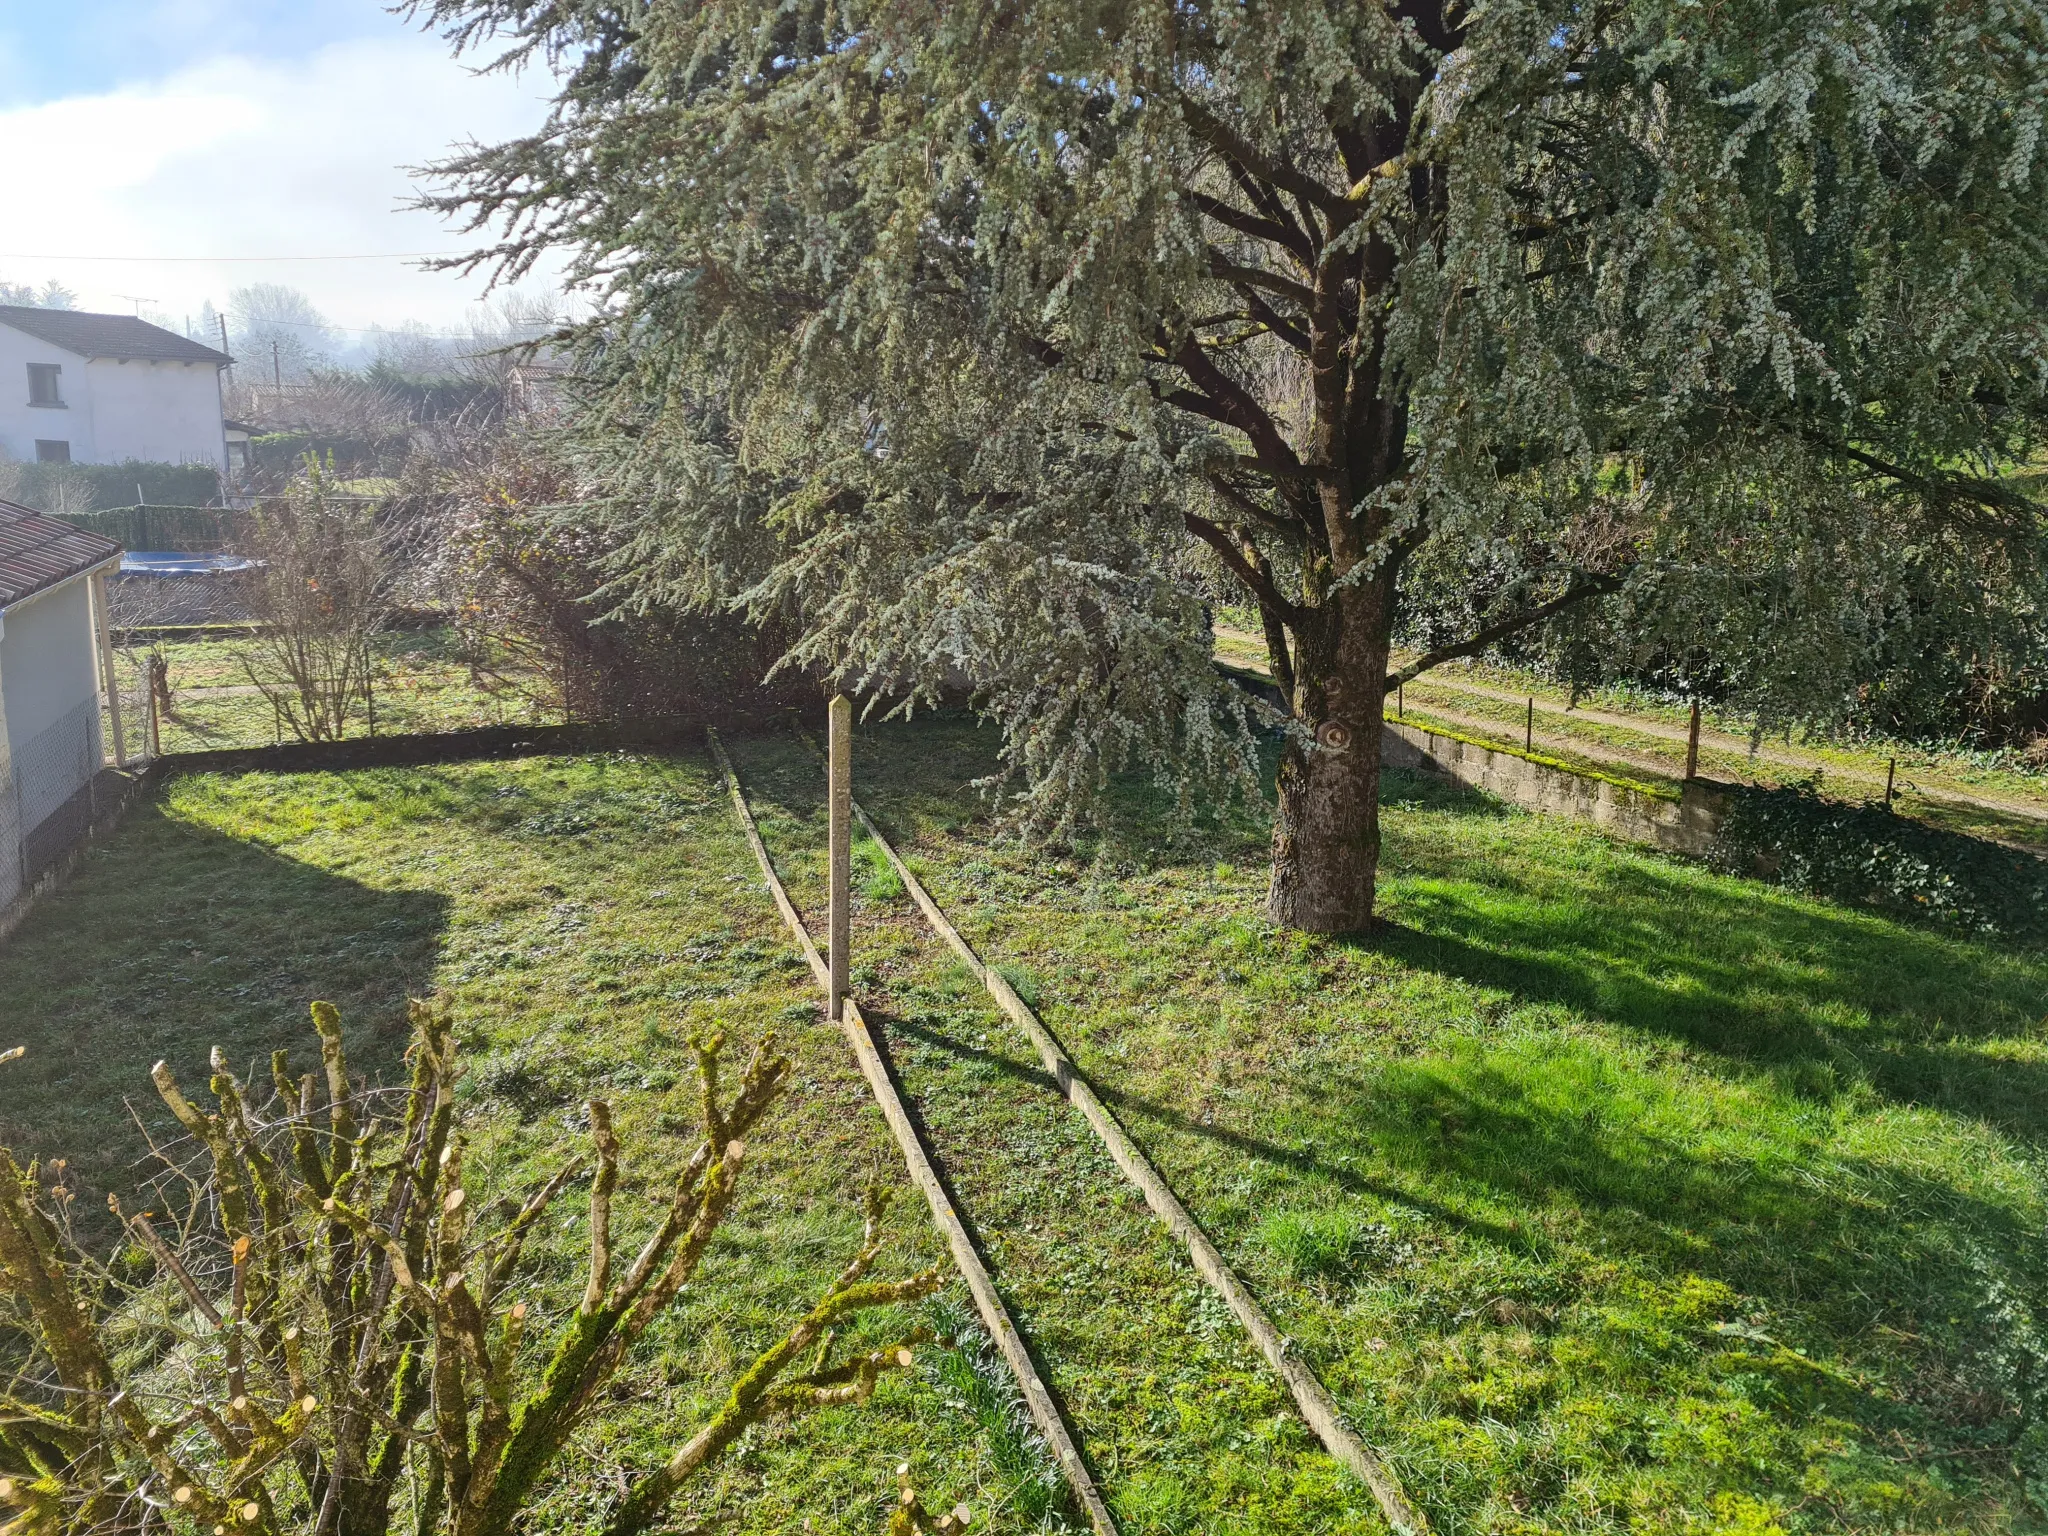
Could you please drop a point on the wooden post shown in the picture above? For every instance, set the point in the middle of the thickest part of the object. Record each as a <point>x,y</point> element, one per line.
<point>839,788</point>
<point>1529,727</point>
<point>1692,744</point>
<point>1890,773</point>
<point>103,623</point>
<point>1400,701</point>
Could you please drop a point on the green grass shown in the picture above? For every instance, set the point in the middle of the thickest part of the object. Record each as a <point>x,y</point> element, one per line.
<point>1611,1194</point>
<point>422,684</point>
<point>580,915</point>
<point>1608,1194</point>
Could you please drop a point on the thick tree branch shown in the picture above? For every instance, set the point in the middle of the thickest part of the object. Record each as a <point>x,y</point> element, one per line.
<point>1273,321</point>
<point>1242,276</point>
<point>1240,409</point>
<point>1579,592</point>
<point>1255,227</point>
<point>1269,200</point>
<point>1257,581</point>
<point>1293,526</point>
<point>1994,495</point>
<point>1221,137</point>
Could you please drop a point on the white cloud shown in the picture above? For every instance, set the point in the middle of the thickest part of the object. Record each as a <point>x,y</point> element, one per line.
<point>237,157</point>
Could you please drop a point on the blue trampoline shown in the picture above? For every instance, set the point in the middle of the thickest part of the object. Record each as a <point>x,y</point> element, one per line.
<point>160,562</point>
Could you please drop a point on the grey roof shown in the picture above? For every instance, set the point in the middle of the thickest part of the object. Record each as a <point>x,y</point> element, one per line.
<point>38,552</point>
<point>122,336</point>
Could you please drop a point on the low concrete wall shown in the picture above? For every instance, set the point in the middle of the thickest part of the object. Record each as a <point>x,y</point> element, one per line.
<point>1685,825</point>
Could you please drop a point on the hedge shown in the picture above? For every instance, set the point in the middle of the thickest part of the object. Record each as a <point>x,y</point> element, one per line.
<point>1867,856</point>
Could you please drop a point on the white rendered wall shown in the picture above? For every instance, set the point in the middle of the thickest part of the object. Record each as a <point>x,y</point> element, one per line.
<point>164,412</point>
<point>21,423</point>
<point>168,413</point>
<point>10,808</point>
<point>49,691</point>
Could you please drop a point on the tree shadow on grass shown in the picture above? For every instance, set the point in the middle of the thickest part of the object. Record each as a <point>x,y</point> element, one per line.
<point>1841,1246</point>
<point>1817,997</point>
<point>1134,1111</point>
<point>175,938</point>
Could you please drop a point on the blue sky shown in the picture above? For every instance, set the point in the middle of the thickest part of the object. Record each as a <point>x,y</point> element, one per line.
<point>52,50</point>
<point>161,151</point>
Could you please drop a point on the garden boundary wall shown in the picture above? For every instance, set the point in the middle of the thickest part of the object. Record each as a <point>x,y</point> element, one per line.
<point>1686,824</point>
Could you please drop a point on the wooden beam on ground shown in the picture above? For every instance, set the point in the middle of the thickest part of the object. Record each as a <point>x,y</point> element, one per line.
<point>1317,1406</point>
<point>995,1315</point>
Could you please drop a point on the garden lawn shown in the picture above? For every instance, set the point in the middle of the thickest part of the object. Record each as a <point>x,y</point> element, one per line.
<point>1607,1193</point>
<point>580,915</point>
<point>423,684</point>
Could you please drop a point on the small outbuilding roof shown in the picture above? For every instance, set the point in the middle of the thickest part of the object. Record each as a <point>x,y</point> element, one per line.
<point>116,336</point>
<point>38,552</point>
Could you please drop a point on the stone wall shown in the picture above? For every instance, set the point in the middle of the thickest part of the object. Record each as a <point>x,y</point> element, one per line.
<point>1686,825</point>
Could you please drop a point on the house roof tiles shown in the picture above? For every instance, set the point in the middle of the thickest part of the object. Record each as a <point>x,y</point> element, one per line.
<point>38,552</point>
<point>116,336</point>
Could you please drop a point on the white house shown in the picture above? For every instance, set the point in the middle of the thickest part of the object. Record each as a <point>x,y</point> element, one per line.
<point>99,389</point>
<point>52,649</point>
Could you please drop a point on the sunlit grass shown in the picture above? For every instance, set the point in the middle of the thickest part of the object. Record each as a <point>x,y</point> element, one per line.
<point>1607,1193</point>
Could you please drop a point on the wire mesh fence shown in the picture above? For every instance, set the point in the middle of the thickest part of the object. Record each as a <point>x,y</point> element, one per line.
<point>50,781</point>
<point>231,692</point>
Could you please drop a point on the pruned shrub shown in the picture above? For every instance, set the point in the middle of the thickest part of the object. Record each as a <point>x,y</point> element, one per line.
<point>1866,856</point>
<point>329,1335</point>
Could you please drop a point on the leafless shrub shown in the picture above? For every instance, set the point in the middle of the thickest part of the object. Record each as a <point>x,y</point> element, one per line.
<point>523,572</point>
<point>321,596</point>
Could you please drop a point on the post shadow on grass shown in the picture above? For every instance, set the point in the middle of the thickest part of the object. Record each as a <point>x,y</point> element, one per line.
<point>1126,1106</point>
<point>174,938</point>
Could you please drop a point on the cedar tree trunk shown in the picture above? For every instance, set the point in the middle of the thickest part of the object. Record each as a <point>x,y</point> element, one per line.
<point>1326,833</point>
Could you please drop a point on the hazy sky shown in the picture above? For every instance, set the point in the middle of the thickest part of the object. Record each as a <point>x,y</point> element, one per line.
<point>214,129</point>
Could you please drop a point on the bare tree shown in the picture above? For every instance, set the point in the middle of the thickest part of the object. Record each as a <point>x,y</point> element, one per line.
<point>321,595</point>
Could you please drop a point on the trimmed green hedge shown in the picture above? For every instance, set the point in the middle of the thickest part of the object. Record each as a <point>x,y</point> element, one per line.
<point>1866,856</point>
<point>97,487</point>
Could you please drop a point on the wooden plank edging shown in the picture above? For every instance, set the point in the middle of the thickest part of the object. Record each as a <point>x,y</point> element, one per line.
<point>1313,1399</point>
<point>995,1315</point>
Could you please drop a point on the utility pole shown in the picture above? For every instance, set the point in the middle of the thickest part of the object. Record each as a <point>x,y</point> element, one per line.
<point>276,369</point>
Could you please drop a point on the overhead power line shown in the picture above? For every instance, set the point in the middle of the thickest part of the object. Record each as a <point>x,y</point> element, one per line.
<point>355,256</point>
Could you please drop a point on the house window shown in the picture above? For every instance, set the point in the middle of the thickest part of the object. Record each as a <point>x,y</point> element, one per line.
<point>49,451</point>
<point>42,384</point>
